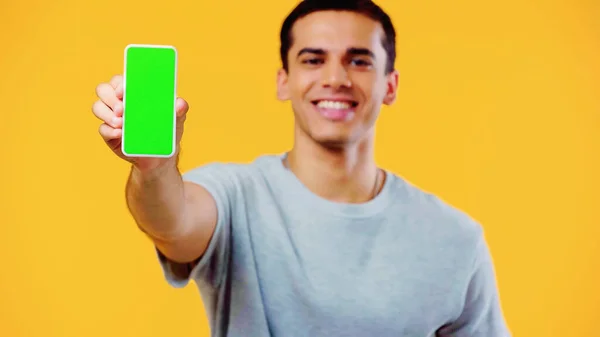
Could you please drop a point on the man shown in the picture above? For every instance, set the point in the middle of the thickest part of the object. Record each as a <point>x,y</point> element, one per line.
<point>318,241</point>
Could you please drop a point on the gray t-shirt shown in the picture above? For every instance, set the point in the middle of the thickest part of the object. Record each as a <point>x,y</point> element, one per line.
<point>285,262</point>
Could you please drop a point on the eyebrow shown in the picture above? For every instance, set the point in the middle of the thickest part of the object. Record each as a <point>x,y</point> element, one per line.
<point>350,51</point>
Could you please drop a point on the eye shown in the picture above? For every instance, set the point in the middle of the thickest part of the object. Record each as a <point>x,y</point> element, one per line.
<point>313,61</point>
<point>360,62</point>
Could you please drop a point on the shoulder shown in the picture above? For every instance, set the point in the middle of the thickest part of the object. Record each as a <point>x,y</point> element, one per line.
<point>232,175</point>
<point>438,219</point>
<point>230,169</point>
<point>456,242</point>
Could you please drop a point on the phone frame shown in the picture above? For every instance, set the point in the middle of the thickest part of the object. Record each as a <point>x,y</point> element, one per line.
<point>123,133</point>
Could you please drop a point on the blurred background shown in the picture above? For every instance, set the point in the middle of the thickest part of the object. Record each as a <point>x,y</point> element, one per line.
<point>498,114</point>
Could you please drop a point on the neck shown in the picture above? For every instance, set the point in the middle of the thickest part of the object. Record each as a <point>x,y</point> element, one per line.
<point>348,175</point>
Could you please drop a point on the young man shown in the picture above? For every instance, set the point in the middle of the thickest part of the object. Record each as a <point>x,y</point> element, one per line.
<point>319,241</point>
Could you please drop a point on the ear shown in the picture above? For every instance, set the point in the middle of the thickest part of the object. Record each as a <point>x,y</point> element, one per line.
<point>392,88</point>
<point>282,85</point>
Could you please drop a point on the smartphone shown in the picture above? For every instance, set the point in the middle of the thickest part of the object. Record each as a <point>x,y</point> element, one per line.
<point>149,95</point>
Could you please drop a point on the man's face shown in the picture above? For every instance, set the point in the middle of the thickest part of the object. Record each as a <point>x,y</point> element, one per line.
<point>336,80</point>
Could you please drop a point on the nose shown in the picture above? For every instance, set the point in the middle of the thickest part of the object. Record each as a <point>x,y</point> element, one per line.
<point>336,76</point>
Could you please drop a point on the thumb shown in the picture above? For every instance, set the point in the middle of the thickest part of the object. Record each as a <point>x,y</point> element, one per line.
<point>181,107</point>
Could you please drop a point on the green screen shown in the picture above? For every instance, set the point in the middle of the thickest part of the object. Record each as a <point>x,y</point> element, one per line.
<point>149,101</point>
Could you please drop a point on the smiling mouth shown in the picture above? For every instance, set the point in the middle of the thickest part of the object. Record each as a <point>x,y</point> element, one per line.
<point>336,110</point>
<point>337,105</point>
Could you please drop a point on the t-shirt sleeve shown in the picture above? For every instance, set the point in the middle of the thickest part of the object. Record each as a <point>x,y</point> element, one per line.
<point>219,180</point>
<point>482,314</point>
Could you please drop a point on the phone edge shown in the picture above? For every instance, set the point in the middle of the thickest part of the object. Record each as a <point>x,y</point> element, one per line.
<point>175,77</point>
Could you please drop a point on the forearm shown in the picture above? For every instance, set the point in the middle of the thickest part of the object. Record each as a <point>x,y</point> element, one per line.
<point>156,200</point>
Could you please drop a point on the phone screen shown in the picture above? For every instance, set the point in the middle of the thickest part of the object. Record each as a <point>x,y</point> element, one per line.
<point>149,95</point>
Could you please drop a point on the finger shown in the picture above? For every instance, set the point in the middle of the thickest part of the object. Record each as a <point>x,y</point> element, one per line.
<point>119,91</point>
<point>181,107</point>
<point>118,109</point>
<point>105,114</point>
<point>107,94</point>
<point>115,81</point>
<point>109,133</point>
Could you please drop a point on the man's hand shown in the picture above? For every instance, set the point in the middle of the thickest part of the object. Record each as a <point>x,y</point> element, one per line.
<point>109,109</point>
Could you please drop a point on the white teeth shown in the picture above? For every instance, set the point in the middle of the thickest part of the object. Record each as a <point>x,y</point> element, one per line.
<point>333,105</point>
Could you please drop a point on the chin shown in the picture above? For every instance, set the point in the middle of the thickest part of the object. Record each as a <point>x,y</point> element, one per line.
<point>330,134</point>
<point>334,144</point>
<point>334,141</point>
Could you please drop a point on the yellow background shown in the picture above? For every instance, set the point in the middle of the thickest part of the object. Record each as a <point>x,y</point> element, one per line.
<point>498,113</point>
